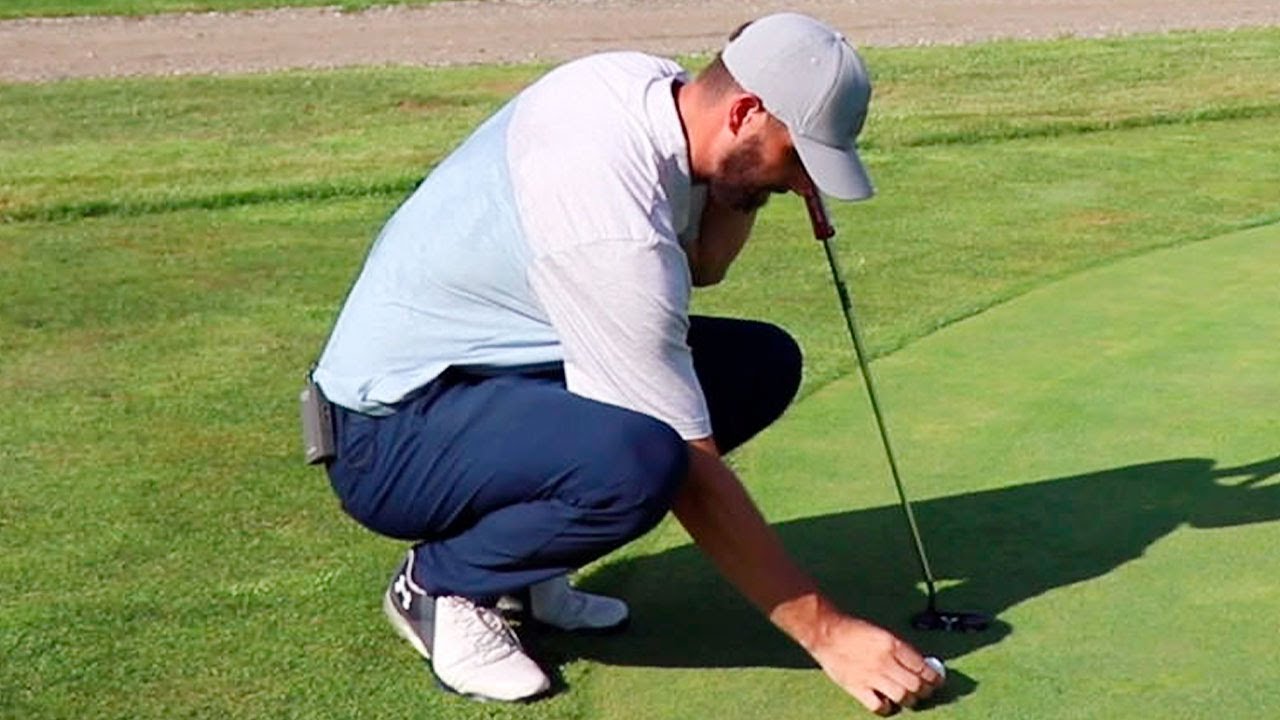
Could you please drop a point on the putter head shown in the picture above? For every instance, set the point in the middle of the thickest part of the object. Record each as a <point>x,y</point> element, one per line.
<point>947,621</point>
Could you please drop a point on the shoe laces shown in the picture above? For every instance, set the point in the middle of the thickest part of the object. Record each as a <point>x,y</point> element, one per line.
<point>488,633</point>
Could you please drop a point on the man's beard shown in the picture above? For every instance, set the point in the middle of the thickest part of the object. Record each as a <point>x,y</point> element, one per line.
<point>736,186</point>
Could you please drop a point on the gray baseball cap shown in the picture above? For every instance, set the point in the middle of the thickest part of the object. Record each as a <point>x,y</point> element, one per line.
<point>809,77</point>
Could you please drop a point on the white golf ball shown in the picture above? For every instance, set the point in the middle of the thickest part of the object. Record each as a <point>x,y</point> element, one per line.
<point>937,665</point>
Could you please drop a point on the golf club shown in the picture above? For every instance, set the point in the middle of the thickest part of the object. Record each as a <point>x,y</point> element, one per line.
<point>931,618</point>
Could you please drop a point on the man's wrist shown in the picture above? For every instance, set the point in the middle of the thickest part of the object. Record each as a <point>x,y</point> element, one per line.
<point>808,619</point>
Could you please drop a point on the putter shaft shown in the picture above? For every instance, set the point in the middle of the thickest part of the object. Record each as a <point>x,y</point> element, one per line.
<point>846,303</point>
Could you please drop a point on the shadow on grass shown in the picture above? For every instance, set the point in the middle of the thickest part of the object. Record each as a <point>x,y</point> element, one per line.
<point>991,549</point>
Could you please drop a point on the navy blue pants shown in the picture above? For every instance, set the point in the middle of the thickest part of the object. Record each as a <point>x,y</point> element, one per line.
<point>506,480</point>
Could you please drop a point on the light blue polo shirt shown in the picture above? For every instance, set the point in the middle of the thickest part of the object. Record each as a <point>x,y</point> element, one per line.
<point>551,235</point>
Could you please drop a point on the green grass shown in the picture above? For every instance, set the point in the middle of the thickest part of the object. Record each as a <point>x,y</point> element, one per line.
<point>86,147</point>
<point>61,8</point>
<point>175,250</point>
<point>1095,461</point>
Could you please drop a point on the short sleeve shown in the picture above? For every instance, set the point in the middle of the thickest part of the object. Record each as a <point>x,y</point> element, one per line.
<point>620,308</point>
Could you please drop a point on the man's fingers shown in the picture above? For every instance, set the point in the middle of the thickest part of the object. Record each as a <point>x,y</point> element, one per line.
<point>879,670</point>
<point>908,657</point>
<point>912,685</point>
<point>895,692</point>
<point>921,682</point>
<point>926,691</point>
<point>913,662</point>
<point>887,706</point>
<point>874,701</point>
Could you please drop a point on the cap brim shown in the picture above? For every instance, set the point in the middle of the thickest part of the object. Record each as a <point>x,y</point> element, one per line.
<point>837,172</point>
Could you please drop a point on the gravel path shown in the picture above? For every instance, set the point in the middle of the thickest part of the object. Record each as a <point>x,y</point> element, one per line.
<point>522,30</point>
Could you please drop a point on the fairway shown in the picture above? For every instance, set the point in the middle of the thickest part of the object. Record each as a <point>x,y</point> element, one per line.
<point>1097,462</point>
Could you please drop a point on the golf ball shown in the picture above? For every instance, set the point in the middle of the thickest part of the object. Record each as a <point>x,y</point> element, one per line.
<point>937,666</point>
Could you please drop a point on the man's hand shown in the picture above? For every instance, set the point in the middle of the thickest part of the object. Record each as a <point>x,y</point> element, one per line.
<point>881,671</point>
<point>871,664</point>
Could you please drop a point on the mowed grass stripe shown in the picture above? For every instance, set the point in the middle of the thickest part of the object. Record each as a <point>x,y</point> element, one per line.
<point>396,186</point>
<point>308,192</point>
<point>92,147</point>
<point>1058,129</point>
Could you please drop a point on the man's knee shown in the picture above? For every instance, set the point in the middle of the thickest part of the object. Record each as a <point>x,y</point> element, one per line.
<point>784,353</point>
<point>779,364</point>
<point>641,466</point>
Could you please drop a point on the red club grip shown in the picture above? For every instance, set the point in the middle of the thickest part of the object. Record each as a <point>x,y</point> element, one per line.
<point>822,228</point>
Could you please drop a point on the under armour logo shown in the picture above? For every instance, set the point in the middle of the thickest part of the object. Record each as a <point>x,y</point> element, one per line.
<point>401,589</point>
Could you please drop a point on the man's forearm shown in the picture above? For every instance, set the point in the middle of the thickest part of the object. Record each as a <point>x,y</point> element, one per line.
<point>718,513</point>
<point>722,233</point>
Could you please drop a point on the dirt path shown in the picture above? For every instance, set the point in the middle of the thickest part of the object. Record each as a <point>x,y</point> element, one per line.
<point>521,30</point>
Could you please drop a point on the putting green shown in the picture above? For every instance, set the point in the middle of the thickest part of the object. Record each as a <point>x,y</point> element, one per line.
<point>1097,462</point>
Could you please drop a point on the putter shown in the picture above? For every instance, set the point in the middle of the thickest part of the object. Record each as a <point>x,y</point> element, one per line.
<point>931,618</point>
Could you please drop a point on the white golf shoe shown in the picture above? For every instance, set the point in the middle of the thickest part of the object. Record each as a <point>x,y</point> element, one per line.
<point>472,650</point>
<point>554,602</point>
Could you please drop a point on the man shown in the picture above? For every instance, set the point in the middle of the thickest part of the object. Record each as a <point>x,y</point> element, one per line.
<point>517,384</point>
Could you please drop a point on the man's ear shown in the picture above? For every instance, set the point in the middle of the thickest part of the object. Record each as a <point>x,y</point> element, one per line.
<point>741,110</point>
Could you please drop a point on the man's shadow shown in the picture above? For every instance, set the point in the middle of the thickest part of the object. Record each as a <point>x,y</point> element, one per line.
<point>991,550</point>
